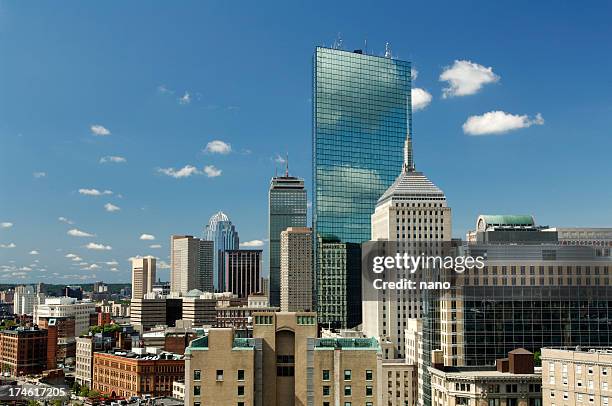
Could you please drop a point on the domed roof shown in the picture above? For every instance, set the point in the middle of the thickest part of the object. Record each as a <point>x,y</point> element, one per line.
<point>217,217</point>
<point>412,184</point>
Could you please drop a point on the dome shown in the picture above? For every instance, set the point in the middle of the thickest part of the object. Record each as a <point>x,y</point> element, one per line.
<point>217,217</point>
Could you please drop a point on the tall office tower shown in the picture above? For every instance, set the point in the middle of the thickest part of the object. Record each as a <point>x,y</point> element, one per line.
<point>296,269</point>
<point>243,272</point>
<point>143,276</point>
<point>191,264</point>
<point>224,236</point>
<point>532,296</point>
<point>24,299</point>
<point>412,210</point>
<point>287,207</point>
<point>362,113</point>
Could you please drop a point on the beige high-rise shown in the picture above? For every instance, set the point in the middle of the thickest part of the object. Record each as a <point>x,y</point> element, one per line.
<point>296,269</point>
<point>143,276</point>
<point>191,264</point>
<point>413,210</point>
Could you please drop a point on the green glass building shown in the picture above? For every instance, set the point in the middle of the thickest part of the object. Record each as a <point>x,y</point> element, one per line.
<point>361,116</point>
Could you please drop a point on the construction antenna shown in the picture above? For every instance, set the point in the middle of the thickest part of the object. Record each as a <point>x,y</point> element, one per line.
<point>338,42</point>
<point>387,50</point>
<point>286,164</point>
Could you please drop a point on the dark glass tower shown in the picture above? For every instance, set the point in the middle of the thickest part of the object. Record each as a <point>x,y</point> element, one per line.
<point>287,207</point>
<point>361,116</point>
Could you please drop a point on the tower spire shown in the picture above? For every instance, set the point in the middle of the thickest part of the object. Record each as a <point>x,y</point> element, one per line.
<point>408,159</point>
<point>286,164</point>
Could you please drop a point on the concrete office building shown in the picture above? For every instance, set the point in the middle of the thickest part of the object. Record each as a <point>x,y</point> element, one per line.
<point>62,307</point>
<point>598,238</point>
<point>143,276</point>
<point>287,207</point>
<point>191,264</point>
<point>243,272</point>
<point>25,298</point>
<point>577,376</point>
<point>412,210</point>
<point>224,236</point>
<point>399,383</point>
<point>149,312</point>
<point>362,113</point>
<point>296,276</point>
<point>200,308</point>
<point>512,382</point>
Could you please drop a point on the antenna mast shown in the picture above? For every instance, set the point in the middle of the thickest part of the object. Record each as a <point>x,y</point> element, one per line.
<point>286,164</point>
<point>387,50</point>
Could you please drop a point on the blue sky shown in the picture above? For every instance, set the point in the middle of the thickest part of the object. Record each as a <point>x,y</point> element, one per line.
<point>164,79</point>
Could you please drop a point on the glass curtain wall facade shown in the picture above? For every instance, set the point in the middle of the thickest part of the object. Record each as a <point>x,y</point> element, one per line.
<point>287,207</point>
<point>361,115</point>
<point>224,236</point>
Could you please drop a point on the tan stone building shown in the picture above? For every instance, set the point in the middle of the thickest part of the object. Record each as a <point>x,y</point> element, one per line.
<point>143,276</point>
<point>512,382</point>
<point>577,376</point>
<point>296,269</point>
<point>399,383</point>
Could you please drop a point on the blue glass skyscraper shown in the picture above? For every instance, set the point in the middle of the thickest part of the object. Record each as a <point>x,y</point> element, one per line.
<point>222,232</point>
<point>361,116</point>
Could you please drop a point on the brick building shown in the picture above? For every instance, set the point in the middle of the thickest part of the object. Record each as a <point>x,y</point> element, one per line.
<point>23,351</point>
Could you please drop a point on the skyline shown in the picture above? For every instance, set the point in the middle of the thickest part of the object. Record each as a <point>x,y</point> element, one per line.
<point>133,137</point>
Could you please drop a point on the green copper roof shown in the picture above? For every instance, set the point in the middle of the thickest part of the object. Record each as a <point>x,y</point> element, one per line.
<point>508,219</point>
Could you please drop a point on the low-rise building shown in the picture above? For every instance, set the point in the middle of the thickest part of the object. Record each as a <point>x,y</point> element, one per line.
<point>512,382</point>
<point>577,376</point>
<point>136,373</point>
<point>81,311</point>
<point>399,383</point>
<point>23,351</point>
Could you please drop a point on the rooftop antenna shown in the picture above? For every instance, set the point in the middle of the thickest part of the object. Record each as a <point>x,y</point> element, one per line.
<point>387,50</point>
<point>365,46</point>
<point>286,164</point>
<point>338,42</point>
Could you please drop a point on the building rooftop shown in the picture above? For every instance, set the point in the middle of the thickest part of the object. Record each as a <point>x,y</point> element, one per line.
<point>164,355</point>
<point>483,372</point>
<point>238,344</point>
<point>411,184</point>
<point>347,344</point>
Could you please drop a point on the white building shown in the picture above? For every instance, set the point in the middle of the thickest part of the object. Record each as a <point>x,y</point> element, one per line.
<point>413,209</point>
<point>66,307</point>
<point>296,269</point>
<point>83,364</point>
<point>191,264</point>
<point>143,276</point>
<point>25,298</point>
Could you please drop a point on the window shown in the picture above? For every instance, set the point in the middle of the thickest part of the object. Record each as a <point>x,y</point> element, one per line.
<point>369,391</point>
<point>219,374</point>
<point>348,404</point>
<point>347,374</point>
<point>196,403</point>
<point>604,371</point>
<point>347,390</point>
<point>240,403</point>
<point>369,375</point>
<point>196,390</point>
<point>326,390</point>
<point>326,374</point>
<point>197,375</point>
<point>240,390</point>
<point>241,374</point>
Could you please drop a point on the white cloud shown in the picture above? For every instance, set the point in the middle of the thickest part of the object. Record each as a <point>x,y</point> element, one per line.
<point>279,159</point>
<point>111,207</point>
<point>99,130</point>
<point>465,78</point>
<point>65,220</point>
<point>113,159</point>
<point>499,122</point>
<point>155,246</point>
<point>91,267</point>
<point>163,89</point>
<point>98,247</point>
<point>252,243</point>
<point>218,147</point>
<point>162,265</point>
<point>79,233</point>
<point>70,255</point>
<point>414,74</point>
<point>147,237</point>
<point>95,192</point>
<point>211,171</point>
<point>185,98</point>
<point>34,252</point>
<point>112,263</point>
<point>184,172</point>
<point>39,175</point>
<point>6,224</point>
<point>114,270</point>
<point>420,98</point>
<point>9,245</point>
